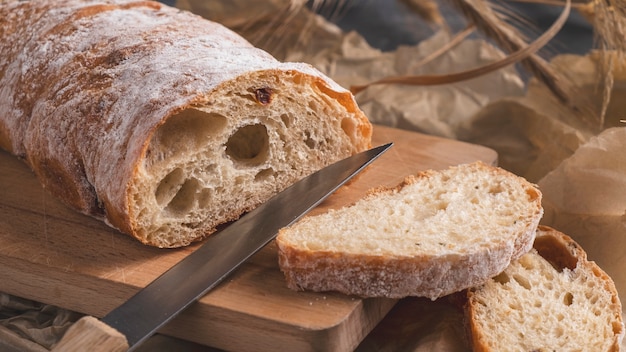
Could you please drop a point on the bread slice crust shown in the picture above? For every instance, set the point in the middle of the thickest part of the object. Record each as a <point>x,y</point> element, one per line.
<point>427,254</point>
<point>551,299</point>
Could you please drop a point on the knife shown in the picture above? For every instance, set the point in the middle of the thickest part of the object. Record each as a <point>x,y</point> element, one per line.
<point>130,324</point>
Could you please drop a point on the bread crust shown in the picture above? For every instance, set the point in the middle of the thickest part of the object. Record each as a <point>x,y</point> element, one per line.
<point>562,252</point>
<point>84,85</point>
<point>399,276</point>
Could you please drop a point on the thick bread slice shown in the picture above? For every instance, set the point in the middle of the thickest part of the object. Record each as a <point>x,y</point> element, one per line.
<point>550,299</point>
<point>436,233</point>
<point>158,121</point>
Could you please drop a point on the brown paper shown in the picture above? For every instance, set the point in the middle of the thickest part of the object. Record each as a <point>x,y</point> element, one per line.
<point>585,197</point>
<point>533,134</point>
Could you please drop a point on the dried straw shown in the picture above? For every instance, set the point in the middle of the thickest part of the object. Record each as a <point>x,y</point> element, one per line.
<point>493,24</point>
<point>609,22</point>
<point>453,42</point>
<point>428,10</point>
<point>330,9</point>
<point>267,31</point>
<point>608,18</point>
<point>481,14</point>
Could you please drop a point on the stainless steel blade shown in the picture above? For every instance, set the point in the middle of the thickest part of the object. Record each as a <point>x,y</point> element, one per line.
<point>223,252</point>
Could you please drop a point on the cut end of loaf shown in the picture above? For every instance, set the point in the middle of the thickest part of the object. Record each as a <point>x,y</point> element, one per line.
<point>245,142</point>
<point>437,233</point>
<point>550,299</point>
<point>160,122</point>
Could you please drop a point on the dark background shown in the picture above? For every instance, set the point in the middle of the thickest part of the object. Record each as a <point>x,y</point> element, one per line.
<point>388,23</point>
<point>385,24</point>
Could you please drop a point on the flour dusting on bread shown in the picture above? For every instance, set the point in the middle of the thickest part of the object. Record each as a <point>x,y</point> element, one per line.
<point>158,121</point>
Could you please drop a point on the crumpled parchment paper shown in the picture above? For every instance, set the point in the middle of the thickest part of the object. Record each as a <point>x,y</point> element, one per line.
<point>534,133</point>
<point>585,197</point>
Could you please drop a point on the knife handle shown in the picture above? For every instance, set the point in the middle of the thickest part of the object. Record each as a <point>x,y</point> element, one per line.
<point>90,334</point>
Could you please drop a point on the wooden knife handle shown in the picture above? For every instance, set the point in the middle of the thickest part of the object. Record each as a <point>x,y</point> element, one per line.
<point>90,334</point>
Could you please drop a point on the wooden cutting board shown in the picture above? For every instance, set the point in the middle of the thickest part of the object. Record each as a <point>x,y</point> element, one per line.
<point>51,254</point>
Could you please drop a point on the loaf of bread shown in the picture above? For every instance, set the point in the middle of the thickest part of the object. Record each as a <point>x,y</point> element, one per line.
<point>437,233</point>
<point>161,123</point>
<point>550,299</point>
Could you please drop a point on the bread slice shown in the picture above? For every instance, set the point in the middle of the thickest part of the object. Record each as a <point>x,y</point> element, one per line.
<point>161,123</point>
<point>550,299</point>
<point>436,233</point>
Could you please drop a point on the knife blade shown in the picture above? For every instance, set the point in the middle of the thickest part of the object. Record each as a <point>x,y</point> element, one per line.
<point>130,324</point>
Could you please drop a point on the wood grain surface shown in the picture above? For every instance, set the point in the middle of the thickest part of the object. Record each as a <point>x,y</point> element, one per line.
<point>51,254</point>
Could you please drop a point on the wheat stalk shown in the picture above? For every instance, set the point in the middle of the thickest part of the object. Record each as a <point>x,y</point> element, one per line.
<point>493,25</point>
<point>269,32</point>
<point>484,18</point>
<point>609,23</point>
<point>428,10</point>
<point>608,18</point>
<point>453,42</point>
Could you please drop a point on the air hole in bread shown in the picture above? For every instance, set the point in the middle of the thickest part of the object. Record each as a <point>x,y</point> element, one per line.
<point>559,331</point>
<point>184,133</point>
<point>527,262</point>
<point>442,205</point>
<point>495,189</point>
<point>264,174</point>
<point>240,181</point>
<point>348,126</point>
<point>204,198</point>
<point>249,144</point>
<point>532,194</point>
<point>618,328</point>
<point>522,281</point>
<point>310,142</point>
<point>568,299</point>
<point>191,225</point>
<point>502,278</point>
<point>286,119</point>
<point>184,200</point>
<point>559,256</point>
<point>169,186</point>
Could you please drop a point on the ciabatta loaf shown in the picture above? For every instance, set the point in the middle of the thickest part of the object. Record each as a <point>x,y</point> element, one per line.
<point>158,121</point>
<point>550,299</point>
<point>438,232</point>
